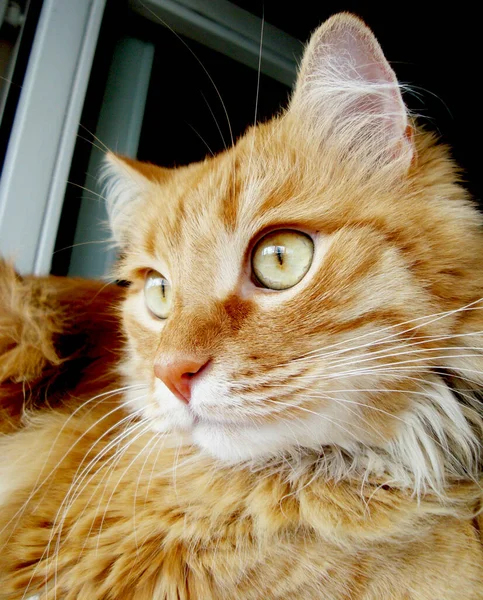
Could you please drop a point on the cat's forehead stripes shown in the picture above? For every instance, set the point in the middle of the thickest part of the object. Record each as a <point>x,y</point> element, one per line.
<point>200,224</point>
<point>230,200</point>
<point>201,239</point>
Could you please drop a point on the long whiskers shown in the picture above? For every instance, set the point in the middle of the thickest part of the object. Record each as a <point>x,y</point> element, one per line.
<point>420,322</point>
<point>75,493</point>
<point>38,483</point>
<point>38,486</point>
<point>404,348</point>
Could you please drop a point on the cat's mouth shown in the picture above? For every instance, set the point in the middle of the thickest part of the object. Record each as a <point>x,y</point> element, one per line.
<point>220,422</point>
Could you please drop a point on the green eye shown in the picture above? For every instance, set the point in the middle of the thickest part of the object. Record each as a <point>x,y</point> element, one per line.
<point>157,294</point>
<point>282,258</point>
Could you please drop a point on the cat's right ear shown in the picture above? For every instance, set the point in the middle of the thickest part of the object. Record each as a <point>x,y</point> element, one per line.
<point>127,183</point>
<point>349,98</point>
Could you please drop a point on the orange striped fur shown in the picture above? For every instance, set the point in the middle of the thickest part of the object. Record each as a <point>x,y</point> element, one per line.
<point>331,448</point>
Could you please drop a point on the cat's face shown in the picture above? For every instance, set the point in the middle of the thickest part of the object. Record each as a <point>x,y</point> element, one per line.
<point>283,293</point>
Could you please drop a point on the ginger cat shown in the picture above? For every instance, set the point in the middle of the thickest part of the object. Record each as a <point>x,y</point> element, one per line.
<point>288,405</point>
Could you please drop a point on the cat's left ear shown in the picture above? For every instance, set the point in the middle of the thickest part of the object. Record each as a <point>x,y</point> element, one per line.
<point>349,96</point>
<point>127,183</point>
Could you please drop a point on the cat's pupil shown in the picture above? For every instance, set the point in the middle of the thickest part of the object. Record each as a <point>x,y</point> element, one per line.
<point>157,294</point>
<point>280,251</point>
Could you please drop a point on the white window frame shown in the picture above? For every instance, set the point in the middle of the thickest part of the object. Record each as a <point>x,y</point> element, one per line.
<point>43,136</point>
<point>41,146</point>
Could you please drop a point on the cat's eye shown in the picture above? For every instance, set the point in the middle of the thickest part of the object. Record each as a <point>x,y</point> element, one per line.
<point>282,258</point>
<point>157,294</point>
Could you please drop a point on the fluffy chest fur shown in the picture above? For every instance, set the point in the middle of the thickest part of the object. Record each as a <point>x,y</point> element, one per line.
<point>156,520</point>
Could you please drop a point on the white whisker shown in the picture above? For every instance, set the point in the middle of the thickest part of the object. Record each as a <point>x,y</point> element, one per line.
<point>37,486</point>
<point>432,319</point>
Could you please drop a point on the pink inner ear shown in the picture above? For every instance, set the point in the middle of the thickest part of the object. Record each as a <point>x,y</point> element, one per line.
<point>348,86</point>
<point>356,55</point>
<point>365,57</point>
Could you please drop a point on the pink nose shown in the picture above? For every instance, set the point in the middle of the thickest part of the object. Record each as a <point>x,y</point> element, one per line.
<point>178,372</point>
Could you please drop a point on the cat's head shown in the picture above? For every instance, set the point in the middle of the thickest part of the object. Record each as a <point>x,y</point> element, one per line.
<point>303,293</point>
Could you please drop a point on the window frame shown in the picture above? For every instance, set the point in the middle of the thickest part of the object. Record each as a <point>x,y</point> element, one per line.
<point>44,133</point>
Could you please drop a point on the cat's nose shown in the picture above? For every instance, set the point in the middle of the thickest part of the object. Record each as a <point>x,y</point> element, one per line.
<point>178,373</point>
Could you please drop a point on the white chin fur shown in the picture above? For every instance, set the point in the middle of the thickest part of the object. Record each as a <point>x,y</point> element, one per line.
<point>234,444</point>
<point>418,456</point>
<point>241,442</point>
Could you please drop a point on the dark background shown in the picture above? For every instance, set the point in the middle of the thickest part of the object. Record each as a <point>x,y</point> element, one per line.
<point>432,48</point>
